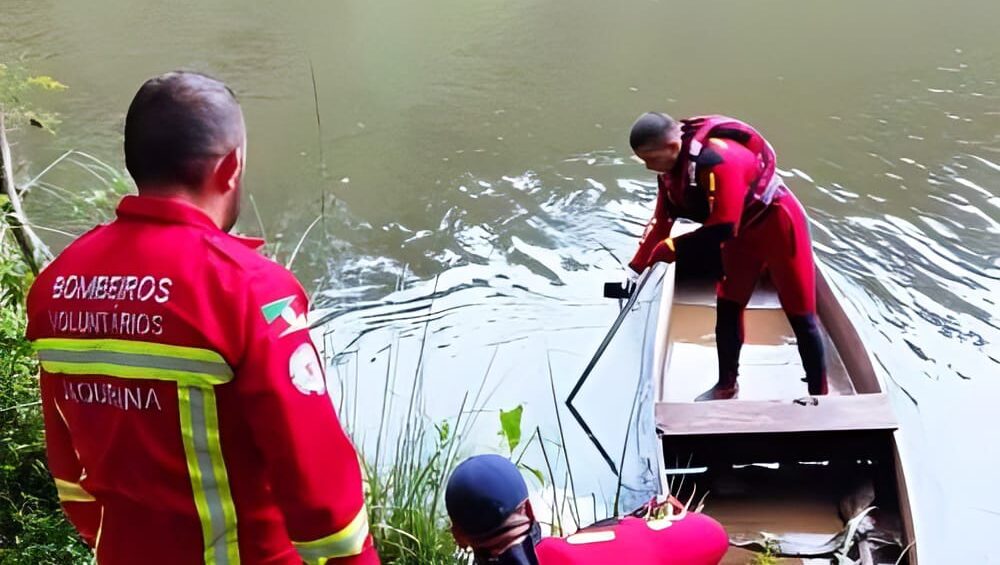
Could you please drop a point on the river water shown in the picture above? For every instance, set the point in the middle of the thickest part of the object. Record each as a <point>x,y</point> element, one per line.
<point>470,170</point>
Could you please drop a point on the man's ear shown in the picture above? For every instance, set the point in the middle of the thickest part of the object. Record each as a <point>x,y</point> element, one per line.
<point>529,510</point>
<point>675,146</point>
<point>228,170</point>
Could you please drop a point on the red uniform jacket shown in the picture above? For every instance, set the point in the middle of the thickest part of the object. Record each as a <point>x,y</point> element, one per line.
<point>185,405</point>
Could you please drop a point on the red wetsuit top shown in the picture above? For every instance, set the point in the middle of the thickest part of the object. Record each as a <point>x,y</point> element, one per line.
<point>186,413</point>
<point>777,239</point>
<point>694,540</point>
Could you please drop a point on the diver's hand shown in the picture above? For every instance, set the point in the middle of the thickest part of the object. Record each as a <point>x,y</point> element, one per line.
<point>631,276</point>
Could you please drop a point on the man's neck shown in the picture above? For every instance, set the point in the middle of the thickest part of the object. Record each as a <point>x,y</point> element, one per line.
<point>184,194</point>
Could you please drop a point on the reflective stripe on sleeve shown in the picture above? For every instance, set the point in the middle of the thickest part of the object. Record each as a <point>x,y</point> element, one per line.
<point>72,492</point>
<point>349,541</point>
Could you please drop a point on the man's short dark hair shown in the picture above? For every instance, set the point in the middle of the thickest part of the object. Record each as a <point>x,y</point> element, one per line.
<point>176,123</point>
<point>650,129</point>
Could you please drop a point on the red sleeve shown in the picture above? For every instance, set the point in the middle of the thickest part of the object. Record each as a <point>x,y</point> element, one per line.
<point>727,182</point>
<point>81,508</point>
<point>314,469</point>
<point>657,230</point>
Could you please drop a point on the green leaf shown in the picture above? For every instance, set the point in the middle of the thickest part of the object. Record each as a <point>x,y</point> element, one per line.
<point>510,426</point>
<point>46,82</point>
<point>444,431</point>
<point>538,474</point>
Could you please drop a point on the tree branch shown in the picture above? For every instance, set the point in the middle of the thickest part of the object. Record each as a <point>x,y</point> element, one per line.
<point>34,250</point>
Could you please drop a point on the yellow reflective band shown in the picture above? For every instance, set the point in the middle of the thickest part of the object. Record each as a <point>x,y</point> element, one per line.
<point>670,243</point>
<point>72,492</point>
<point>221,478</point>
<point>129,346</point>
<point>133,360</point>
<point>711,192</point>
<point>194,472</point>
<point>350,540</point>
<point>209,480</point>
<point>130,372</point>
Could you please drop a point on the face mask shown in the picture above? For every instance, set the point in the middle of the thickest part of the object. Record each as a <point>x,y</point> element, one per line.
<point>522,554</point>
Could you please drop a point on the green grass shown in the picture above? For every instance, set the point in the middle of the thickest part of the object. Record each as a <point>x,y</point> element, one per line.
<point>769,556</point>
<point>414,456</point>
<point>407,473</point>
<point>32,527</point>
<point>405,498</point>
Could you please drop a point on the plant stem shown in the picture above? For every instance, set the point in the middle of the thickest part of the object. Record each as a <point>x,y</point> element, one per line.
<point>34,250</point>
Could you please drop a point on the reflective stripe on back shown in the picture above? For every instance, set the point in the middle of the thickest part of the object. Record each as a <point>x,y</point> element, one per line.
<point>209,480</point>
<point>188,366</point>
<point>195,371</point>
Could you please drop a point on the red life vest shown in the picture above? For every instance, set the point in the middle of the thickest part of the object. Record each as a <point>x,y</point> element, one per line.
<point>694,540</point>
<point>696,131</point>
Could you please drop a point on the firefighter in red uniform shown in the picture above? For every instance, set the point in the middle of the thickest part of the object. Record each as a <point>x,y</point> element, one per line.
<point>721,173</point>
<point>186,413</point>
<point>487,501</point>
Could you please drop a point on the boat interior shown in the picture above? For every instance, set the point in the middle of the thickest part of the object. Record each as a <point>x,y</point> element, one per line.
<point>782,471</point>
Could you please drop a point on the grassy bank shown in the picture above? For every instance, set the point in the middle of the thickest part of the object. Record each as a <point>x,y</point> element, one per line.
<point>32,528</point>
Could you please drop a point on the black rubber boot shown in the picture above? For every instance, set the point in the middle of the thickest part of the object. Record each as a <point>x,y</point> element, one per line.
<point>811,350</point>
<point>729,341</point>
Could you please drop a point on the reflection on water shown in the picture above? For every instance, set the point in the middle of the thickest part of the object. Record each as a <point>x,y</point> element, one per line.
<point>475,185</point>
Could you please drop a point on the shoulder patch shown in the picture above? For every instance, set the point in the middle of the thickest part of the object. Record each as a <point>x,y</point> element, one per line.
<point>291,320</point>
<point>305,370</point>
<point>274,309</point>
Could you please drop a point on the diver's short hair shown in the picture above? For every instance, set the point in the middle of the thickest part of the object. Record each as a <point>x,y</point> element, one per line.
<point>650,129</point>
